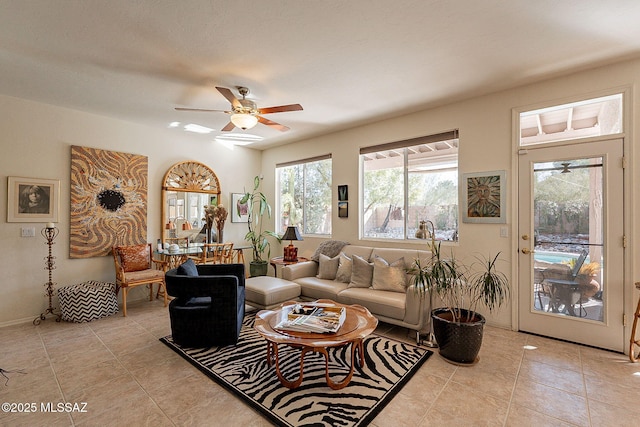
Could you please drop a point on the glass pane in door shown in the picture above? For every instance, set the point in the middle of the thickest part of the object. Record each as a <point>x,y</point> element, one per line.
<point>568,238</point>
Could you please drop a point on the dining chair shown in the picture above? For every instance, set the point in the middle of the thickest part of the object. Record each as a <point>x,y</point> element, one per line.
<point>135,266</point>
<point>226,254</point>
<point>634,350</point>
<point>215,253</point>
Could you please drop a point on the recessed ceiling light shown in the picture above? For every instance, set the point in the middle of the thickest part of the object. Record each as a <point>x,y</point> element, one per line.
<point>174,124</point>
<point>197,128</point>
<point>238,139</point>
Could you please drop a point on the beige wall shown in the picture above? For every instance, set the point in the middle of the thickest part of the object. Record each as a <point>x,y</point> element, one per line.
<point>36,140</point>
<point>486,144</point>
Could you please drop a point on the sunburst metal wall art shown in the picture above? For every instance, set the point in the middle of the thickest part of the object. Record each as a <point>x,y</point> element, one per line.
<point>485,197</point>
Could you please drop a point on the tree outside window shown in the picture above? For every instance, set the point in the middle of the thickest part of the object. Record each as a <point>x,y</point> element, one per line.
<point>404,185</point>
<point>305,196</point>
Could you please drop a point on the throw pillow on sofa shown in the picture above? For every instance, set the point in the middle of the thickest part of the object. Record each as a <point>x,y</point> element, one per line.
<point>389,277</point>
<point>328,267</point>
<point>344,269</point>
<point>330,248</point>
<point>362,273</point>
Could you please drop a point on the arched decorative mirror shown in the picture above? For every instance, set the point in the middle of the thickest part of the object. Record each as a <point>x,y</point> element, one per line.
<point>187,188</point>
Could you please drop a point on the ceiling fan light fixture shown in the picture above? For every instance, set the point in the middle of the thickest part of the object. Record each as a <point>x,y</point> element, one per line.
<point>245,114</point>
<point>244,121</point>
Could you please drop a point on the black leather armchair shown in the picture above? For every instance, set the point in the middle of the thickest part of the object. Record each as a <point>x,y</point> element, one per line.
<point>208,309</point>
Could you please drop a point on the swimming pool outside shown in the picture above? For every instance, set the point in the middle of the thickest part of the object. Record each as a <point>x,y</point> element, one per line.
<point>555,257</point>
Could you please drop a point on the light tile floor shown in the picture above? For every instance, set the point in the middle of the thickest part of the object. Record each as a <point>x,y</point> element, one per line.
<point>129,378</point>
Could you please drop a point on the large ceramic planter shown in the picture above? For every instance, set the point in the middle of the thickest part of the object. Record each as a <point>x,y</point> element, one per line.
<point>458,342</point>
<point>258,268</point>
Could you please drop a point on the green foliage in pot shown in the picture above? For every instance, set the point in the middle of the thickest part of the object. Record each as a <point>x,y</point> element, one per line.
<point>257,207</point>
<point>461,287</point>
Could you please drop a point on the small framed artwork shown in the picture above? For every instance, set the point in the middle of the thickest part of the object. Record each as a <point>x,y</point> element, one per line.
<point>32,200</point>
<point>343,209</point>
<point>484,197</point>
<point>239,211</point>
<point>213,200</point>
<point>343,193</point>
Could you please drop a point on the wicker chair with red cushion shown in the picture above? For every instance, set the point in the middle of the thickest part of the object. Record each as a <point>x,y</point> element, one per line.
<point>135,267</point>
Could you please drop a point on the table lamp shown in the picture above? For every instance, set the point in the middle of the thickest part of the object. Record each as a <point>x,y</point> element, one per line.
<point>291,252</point>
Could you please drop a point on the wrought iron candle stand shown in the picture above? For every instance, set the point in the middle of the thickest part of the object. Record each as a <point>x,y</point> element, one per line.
<point>49,233</point>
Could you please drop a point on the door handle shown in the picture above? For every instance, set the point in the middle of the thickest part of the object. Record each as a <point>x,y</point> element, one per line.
<point>527,251</point>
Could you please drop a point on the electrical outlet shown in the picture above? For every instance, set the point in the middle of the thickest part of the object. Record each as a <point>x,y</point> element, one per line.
<point>28,232</point>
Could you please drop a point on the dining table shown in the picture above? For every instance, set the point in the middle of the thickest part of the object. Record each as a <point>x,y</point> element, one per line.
<point>172,259</point>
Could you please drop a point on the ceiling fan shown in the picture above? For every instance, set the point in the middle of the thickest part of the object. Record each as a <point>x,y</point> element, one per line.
<point>245,114</point>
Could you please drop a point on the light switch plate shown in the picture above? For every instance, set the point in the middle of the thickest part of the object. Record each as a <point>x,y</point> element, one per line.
<point>504,232</point>
<point>28,232</point>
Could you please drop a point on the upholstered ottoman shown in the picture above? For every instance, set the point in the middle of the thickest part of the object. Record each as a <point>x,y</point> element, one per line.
<point>87,301</point>
<point>266,292</point>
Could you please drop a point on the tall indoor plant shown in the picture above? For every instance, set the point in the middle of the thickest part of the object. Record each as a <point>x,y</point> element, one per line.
<point>257,206</point>
<point>458,327</point>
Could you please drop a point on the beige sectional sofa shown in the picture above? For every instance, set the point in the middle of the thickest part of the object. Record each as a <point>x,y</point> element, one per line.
<point>388,296</point>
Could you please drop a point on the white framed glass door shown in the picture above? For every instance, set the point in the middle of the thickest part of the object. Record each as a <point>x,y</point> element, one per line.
<point>570,234</point>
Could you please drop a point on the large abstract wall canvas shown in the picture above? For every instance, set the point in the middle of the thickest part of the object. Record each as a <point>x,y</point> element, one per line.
<point>108,201</point>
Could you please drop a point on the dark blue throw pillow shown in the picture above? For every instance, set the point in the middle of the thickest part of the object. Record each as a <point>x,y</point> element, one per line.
<point>188,268</point>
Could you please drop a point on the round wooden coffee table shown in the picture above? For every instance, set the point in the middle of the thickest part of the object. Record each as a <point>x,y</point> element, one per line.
<point>358,324</point>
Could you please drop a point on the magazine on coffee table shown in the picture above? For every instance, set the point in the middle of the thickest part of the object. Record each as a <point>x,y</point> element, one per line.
<point>309,317</point>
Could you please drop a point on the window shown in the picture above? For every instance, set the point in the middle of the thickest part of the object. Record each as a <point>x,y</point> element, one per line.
<point>583,119</point>
<point>304,190</point>
<point>406,182</point>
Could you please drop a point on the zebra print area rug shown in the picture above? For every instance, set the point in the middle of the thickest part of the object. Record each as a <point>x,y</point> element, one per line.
<point>243,369</point>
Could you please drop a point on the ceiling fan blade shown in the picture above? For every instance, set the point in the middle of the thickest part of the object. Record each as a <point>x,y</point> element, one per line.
<point>230,97</point>
<point>281,128</point>
<point>280,109</point>
<point>201,109</point>
<point>228,128</point>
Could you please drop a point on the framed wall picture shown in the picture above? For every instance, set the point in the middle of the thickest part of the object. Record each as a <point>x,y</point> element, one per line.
<point>343,209</point>
<point>32,199</point>
<point>484,195</point>
<point>239,211</point>
<point>343,193</point>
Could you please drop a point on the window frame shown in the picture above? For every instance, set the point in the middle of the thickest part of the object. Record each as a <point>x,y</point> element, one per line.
<point>304,207</point>
<point>446,157</point>
<point>519,113</point>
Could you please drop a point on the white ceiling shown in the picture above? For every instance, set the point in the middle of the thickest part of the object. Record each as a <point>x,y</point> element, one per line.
<point>347,62</point>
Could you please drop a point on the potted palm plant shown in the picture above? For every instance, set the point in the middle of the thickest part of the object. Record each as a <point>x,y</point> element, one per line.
<point>457,326</point>
<point>257,207</point>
